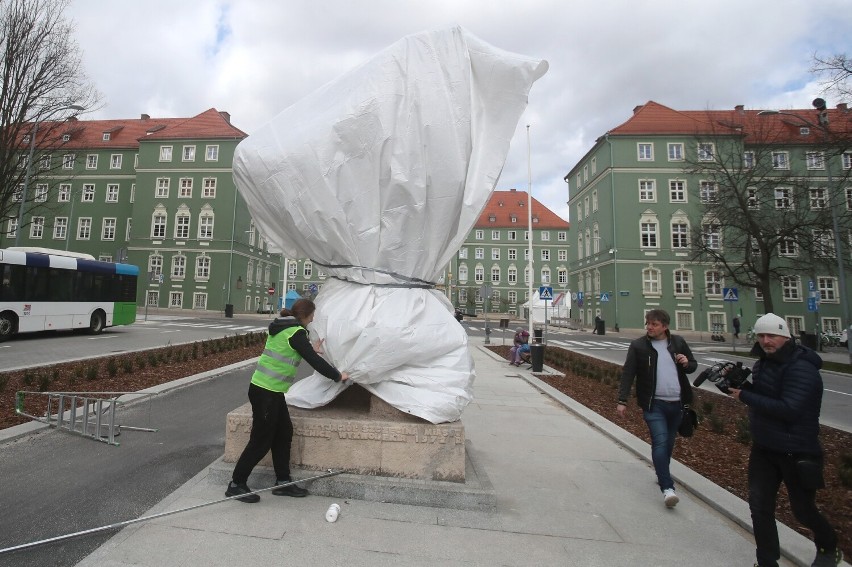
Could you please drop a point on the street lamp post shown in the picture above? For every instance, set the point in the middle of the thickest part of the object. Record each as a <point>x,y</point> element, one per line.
<point>28,172</point>
<point>822,124</point>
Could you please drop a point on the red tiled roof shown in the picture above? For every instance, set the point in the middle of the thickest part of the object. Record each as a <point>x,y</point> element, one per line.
<point>503,204</point>
<point>653,118</point>
<point>126,133</point>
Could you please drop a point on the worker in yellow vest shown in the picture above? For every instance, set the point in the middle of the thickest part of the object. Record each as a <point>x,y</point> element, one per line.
<point>271,428</point>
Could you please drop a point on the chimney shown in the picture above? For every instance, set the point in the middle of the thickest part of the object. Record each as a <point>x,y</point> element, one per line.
<point>842,106</point>
<point>226,116</point>
<point>638,108</point>
<point>145,117</point>
<point>739,108</point>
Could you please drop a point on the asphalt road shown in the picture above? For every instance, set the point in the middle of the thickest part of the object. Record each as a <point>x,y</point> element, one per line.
<point>56,483</point>
<point>37,349</point>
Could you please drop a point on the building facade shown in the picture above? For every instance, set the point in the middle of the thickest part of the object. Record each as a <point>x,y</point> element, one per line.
<point>495,256</point>
<point>637,199</point>
<point>157,193</point>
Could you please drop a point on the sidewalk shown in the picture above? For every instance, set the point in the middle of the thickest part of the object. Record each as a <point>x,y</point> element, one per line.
<point>571,489</point>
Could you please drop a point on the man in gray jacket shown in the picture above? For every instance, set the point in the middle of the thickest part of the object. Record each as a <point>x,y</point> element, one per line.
<point>659,362</point>
<point>783,407</point>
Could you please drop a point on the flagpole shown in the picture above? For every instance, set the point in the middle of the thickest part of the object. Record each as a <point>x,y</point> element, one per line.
<point>530,233</point>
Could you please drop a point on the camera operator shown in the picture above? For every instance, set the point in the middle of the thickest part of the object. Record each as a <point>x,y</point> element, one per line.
<point>784,404</point>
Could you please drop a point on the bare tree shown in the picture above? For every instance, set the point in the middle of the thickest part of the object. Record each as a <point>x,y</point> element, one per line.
<point>835,72</point>
<point>43,85</point>
<point>761,220</point>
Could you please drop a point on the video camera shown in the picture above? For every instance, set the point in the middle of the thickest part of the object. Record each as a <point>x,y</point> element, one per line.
<point>726,375</point>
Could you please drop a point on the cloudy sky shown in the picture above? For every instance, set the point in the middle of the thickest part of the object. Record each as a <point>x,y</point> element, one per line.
<point>254,58</point>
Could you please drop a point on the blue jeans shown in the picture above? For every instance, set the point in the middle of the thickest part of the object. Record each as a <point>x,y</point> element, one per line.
<point>663,419</point>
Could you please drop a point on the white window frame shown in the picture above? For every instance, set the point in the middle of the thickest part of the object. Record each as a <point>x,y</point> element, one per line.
<point>183,222</point>
<point>166,153</point>
<point>706,151</point>
<point>115,161</point>
<point>108,226</point>
<point>60,228</point>
<point>645,151</point>
<point>188,153</point>
<point>112,193</point>
<point>209,188</point>
<point>647,190</point>
<point>37,227</point>
<point>211,153</point>
<point>675,151</point>
<point>84,228</point>
<point>162,189</point>
<point>185,190</point>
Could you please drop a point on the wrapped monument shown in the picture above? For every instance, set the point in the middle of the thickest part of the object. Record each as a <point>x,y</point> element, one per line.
<point>377,178</point>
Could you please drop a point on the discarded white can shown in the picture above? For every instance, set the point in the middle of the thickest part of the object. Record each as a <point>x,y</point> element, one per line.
<point>332,513</point>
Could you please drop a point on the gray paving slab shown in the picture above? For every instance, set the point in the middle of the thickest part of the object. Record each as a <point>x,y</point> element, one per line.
<point>570,489</point>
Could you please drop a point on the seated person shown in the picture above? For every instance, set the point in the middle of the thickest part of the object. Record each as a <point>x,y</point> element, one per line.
<point>521,346</point>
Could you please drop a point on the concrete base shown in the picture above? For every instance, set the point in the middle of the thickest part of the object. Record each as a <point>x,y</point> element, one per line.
<point>475,493</point>
<point>361,434</point>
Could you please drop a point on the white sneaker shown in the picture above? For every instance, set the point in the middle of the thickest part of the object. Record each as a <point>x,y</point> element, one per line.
<point>670,498</point>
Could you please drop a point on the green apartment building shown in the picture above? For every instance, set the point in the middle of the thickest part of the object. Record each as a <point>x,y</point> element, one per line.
<point>637,202</point>
<point>495,256</point>
<point>157,193</point>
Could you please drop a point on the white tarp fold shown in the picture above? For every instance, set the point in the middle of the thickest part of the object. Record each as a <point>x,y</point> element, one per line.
<point>377,177</point>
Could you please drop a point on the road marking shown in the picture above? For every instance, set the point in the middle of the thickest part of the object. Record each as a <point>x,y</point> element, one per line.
<point>101,338</point>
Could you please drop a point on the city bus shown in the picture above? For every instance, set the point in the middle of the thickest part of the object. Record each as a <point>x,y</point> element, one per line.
<point>47,290</point>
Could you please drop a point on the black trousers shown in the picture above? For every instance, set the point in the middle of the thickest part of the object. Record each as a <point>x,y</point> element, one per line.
<point>271,429</point>
<point>766,470</point>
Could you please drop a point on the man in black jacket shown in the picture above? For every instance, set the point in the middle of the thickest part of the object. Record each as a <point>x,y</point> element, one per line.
<point>783,407</point>
<point>659,362</point>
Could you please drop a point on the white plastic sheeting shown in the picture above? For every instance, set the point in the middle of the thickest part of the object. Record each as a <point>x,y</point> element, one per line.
<point>377,177</point>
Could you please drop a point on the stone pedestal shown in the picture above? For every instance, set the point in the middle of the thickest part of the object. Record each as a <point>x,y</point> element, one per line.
<point>362,434</point>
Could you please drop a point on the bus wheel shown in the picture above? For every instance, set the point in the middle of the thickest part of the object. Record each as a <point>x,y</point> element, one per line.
<point>7,326</point>
<point>96,325</point>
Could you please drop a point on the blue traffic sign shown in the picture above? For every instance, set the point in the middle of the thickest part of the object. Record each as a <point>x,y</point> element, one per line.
<point>604,297</point>
<point>730,294</point>
<point>545,292</point>
<point>813,304</point>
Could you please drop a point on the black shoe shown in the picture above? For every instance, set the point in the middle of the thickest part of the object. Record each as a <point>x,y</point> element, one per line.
<point>235,489</point>
<point>289,490</point>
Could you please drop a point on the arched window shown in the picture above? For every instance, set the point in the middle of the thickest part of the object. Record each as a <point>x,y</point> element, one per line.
<point>178,267</point>
<point>159,220</point>
<point>182,222</point>
<point>205,223</point>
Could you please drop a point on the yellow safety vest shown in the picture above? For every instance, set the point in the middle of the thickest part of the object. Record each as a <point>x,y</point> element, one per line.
<point>277,366</point>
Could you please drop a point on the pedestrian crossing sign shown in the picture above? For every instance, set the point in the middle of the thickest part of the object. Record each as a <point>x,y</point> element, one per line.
<point>545,293</point>
<point>730,294</point>
<point>604,297</point>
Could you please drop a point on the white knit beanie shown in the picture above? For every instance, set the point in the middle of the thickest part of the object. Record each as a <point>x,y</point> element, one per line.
<point>771,324</point>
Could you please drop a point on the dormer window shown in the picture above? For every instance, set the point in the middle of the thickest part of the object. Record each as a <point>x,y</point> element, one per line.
<point>106,137</point>
<point>66,137</point>
<point>26,138</point>
<point>492,218</point>
<point>804,130</point>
